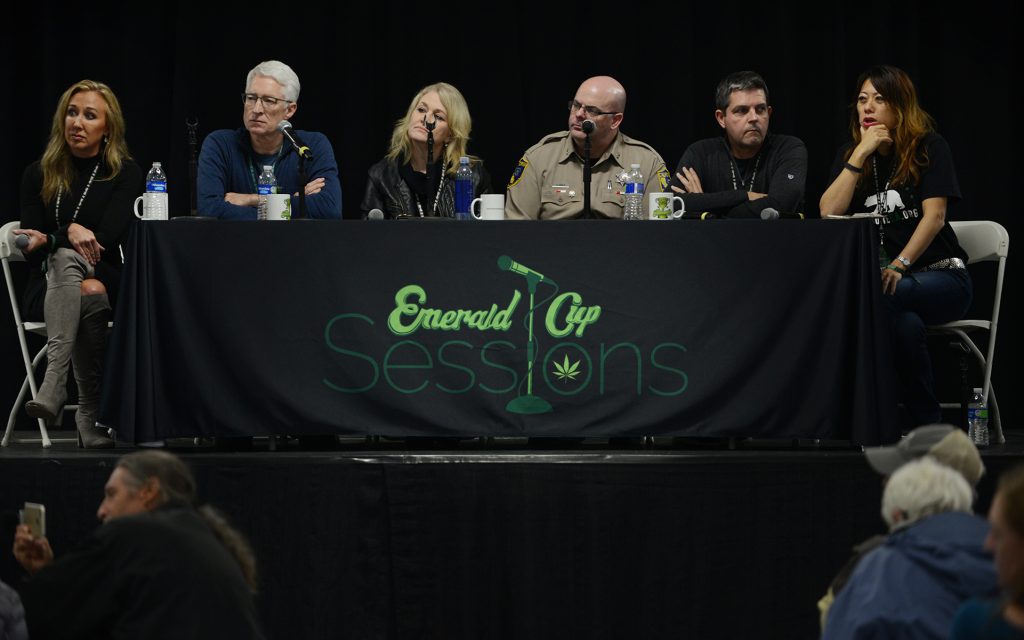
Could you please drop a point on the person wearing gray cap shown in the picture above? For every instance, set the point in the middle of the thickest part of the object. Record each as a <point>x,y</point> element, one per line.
<point>912,585</point>
<point>943,442</point>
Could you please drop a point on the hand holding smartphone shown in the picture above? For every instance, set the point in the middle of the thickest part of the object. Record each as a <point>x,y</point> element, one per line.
<point>34,515</point>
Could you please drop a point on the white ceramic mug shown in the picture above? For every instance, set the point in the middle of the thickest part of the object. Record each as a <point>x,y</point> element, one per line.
<point>154,206</point>
<point>492,206</point>
<point>659,206</point>
<point>279,206</point>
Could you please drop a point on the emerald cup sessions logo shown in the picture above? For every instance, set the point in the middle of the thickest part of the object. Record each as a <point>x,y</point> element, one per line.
<point>529,374</point>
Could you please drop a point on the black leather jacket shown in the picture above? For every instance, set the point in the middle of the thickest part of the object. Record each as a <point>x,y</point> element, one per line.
<point>387,191</point>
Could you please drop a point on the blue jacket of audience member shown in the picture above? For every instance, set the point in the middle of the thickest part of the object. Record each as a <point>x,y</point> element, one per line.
<point>227,164</point>
<point>912,586</point>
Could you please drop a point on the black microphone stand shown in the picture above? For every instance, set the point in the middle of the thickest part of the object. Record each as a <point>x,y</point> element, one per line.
<point>192,165</point>
<point>429,126</point>
<point>302,185</point>
<point>586,177</point>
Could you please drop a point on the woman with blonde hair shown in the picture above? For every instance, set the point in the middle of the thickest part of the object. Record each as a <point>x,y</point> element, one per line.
<point>76,206</point>
<point>417,176</point>
<point>897,167</point>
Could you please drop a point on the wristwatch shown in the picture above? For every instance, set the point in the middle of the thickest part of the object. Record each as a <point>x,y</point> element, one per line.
<point>904,261</point>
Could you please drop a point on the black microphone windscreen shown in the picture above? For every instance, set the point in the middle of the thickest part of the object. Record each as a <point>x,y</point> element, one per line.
<point>588,126</point>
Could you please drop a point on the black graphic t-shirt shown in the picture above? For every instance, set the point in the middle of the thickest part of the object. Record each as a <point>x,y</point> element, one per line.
<point>902,204</point>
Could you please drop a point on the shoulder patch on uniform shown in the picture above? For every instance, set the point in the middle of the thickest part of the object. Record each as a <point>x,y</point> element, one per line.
<point>518,173</point>
<point>664,177</point>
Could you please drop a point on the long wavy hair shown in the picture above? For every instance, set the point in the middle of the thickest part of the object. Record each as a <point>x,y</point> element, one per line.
<point>178,489</point>
<point>459,126</point>
<point>57,167</point>
<point>912,122</point>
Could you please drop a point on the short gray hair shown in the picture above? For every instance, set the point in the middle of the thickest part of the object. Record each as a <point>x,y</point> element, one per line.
<point>924,488</point>
<point>280,72</point>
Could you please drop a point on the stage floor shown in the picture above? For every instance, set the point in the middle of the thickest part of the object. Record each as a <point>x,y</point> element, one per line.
<point>514,539</point>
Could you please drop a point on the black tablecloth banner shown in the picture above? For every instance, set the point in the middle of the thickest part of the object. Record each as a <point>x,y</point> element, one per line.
<point>412,328</point>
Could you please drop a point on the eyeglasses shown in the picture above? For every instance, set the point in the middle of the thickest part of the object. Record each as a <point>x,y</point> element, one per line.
<point>269,102</point>
<point>593,112</point>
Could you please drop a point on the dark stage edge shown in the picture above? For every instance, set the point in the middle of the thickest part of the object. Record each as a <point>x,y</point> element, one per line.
<point>380,540</point>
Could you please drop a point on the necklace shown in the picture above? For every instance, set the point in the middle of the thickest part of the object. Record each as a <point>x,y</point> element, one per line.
<point>56,213</point>
<point>733,171</point>
<point>437,198</point>
<point>881,199</point>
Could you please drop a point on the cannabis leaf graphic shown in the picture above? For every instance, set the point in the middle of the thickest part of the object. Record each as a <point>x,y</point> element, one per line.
<point>566,371</point>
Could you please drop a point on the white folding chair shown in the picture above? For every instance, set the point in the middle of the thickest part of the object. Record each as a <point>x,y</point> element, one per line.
<point>10,253</point>
<point>984,241</point>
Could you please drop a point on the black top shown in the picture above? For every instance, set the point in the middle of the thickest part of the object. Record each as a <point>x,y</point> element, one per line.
<point>106,211</point>
<point>392,189</point>
<point>781,173</point>
<point>156,575</point>
<point>902,204</point>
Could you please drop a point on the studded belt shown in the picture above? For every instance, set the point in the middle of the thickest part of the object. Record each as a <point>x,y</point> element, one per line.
<point>944,265</point>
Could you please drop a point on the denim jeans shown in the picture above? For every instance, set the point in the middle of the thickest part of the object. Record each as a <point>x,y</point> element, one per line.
<point>921,299</point>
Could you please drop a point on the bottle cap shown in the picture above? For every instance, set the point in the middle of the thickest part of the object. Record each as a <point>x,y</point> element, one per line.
<point>157,164</point>
<point>268,167</point>
<point>635,165</point>
<point>464,160</point>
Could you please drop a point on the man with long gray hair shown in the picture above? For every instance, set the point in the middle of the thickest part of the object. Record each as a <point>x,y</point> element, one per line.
<point>161,566</point>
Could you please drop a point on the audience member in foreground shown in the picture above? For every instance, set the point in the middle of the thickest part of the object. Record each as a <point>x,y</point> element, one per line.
<point>160,566</point>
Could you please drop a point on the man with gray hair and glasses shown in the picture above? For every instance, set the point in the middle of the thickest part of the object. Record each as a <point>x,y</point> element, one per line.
<point>231,160</point>
<point>747,173</point>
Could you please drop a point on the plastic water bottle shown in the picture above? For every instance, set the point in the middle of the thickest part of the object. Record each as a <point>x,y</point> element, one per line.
<point>267,184</point>
<point>977,419</point>
<point>634,194</point>
<point>463,189</point>
<point>156,179</point>
<point>156,182</point>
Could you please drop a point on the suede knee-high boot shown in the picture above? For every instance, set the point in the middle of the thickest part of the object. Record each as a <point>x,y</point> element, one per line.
<point>61,310</point>
<point>87,356</point>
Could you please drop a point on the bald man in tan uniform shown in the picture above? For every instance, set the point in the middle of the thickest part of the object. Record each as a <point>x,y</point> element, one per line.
<point>548,183</point>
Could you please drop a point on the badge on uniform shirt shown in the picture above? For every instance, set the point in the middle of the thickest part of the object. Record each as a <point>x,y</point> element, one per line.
<point>518,173</point>
<point>664,178</point>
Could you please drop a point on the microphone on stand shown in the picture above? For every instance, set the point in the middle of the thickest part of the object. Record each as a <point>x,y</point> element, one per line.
<point>289,132</point>
<point>506,263</point>
<point>588,128</point>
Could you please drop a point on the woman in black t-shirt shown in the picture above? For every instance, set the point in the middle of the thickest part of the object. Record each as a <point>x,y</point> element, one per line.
<point>897,167</point>
<point>76,206</point>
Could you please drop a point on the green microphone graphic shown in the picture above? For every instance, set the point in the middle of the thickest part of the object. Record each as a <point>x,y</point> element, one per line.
<point>529,403</point>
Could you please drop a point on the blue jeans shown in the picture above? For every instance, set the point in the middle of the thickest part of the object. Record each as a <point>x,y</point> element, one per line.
<point>921,299</point>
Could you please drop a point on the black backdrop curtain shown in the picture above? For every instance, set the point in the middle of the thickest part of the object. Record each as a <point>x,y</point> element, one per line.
<point>361,63</point>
